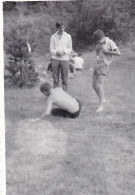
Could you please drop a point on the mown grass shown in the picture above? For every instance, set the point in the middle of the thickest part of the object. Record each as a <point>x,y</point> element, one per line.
<point>92,154</point>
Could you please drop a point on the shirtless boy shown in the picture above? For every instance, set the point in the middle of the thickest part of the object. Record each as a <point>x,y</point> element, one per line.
<point>66,106</point>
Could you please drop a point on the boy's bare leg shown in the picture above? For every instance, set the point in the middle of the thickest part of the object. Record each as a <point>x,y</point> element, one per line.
<point>100,91</point>
<point>94,82</point>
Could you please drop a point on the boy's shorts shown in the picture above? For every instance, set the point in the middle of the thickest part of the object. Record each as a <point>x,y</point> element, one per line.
<point>76,114</point>
<point>66,114</point>
<point>101,69</point>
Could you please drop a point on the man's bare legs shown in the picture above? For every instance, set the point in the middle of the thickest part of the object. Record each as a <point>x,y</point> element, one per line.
<point>98,85</point>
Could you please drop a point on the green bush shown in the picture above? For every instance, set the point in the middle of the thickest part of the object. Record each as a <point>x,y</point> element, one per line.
<point>20,64</point>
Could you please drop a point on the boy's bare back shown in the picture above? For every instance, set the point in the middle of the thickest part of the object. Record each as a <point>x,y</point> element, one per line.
<point>63,100</point>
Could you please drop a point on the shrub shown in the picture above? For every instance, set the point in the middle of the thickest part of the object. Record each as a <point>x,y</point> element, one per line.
<point>20,64</point>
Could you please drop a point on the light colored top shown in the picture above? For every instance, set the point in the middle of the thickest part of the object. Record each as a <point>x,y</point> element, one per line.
<point>61,99</point>
<point>111,46</point>
<point>61,43</point>
<point>107,58</point>
<point>29,47</point>
<point>78,62</point>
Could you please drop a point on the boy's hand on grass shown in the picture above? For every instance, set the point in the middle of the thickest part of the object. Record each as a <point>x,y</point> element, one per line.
<point>35,120</point>
<point>91,69</point>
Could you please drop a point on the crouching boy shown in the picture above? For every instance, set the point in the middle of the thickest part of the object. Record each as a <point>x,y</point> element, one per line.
<point>66,106</point>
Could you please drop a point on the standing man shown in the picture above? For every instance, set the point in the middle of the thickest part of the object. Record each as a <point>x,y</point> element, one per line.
<point>60,48</point>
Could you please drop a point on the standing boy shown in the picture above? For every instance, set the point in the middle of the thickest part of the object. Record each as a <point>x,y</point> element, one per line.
<point>60,48</point>
<point>105,49</point>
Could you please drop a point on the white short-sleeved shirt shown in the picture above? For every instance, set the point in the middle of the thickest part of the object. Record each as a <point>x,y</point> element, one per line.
<point>78,62</point>
<point>111,46</point>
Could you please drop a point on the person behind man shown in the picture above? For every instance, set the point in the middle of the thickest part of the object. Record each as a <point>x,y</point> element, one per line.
<point>78,62</point>
<point>49,68</point>
<point>105,49</point>
<point>72,70</point>
<point>60,48</point>
<point>67,106</point>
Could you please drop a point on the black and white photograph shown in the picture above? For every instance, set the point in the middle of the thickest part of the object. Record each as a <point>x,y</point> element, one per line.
<point>68,97</point>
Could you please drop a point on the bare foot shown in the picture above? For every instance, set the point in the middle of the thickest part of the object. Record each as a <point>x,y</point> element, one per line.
<point>34,120</point>
<point>100,109</point>
<point>104,100</point>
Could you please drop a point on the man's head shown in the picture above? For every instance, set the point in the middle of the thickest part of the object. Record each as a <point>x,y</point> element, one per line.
<point>98,36</point>
<point>60,27</point>
<point>45,88</point>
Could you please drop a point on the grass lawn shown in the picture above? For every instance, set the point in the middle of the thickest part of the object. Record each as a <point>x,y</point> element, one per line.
<point>90,155</point>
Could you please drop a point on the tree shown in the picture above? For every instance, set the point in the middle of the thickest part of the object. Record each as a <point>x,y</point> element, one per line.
<point>20,65</point>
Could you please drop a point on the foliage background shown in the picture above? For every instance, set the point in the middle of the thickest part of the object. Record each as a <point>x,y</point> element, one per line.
<point>37,20</point>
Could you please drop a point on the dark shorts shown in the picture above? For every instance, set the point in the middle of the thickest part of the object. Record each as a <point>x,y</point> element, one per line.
<point>101,69</point>
<point>66,114</point>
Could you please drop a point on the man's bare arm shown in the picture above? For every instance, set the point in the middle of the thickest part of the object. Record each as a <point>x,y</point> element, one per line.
<point>115,52</point>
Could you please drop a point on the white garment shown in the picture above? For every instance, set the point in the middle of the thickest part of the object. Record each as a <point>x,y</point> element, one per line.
<point>78,62</point>
<point>29,48</point>
<point>110,45</point>
<point>62,44</point>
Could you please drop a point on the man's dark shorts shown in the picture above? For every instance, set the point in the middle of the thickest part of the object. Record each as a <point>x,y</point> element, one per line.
<point>101,69</point>
<point>66,114</point>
